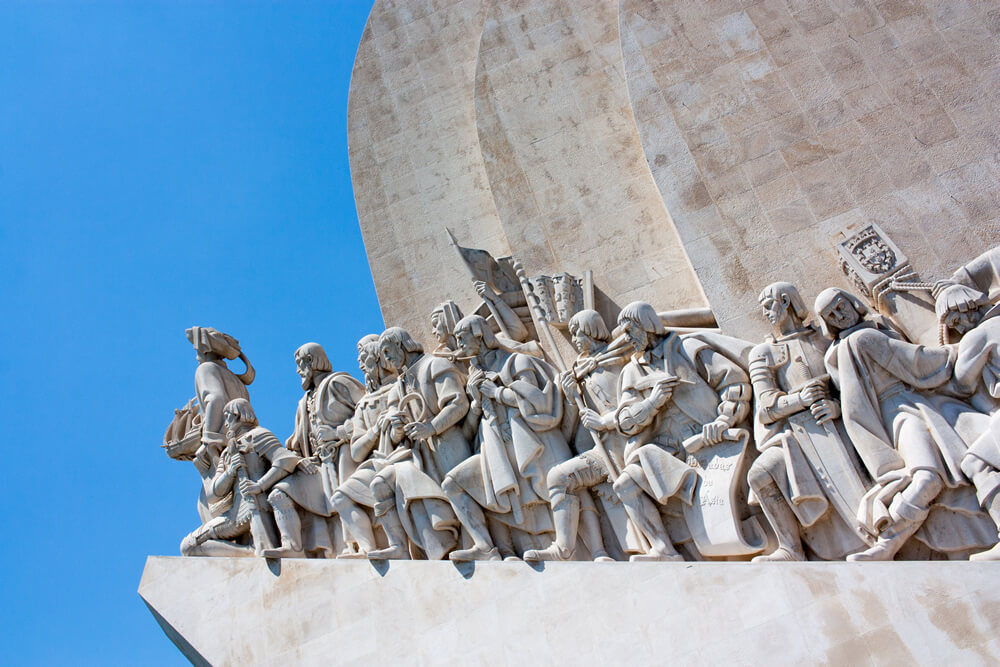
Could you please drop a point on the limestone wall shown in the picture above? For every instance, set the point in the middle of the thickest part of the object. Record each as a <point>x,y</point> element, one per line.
<point>248,611</point>
<point>678,149</point>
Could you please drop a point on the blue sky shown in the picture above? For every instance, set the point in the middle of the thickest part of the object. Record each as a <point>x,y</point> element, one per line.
<point>162,165</point>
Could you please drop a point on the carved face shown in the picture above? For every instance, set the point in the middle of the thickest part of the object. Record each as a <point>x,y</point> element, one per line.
<point>368,363</point>
<point>439,326</point>
<point>230,424</point>
<point>581,341</point>
<point>468,342</point>
<point>636,335</point>
<point>840,314</point>
<point>304,368</point>
<point>775,310</point>
<point>392,354</point>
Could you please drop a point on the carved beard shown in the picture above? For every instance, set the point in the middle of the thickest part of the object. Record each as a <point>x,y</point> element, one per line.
<point>307,380</point>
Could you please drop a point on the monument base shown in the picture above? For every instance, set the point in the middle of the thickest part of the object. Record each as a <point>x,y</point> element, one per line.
<point>244,611</point>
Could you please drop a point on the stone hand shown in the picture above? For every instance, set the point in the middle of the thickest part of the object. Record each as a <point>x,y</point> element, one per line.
<point>483,290</point>
<point>488,388</point>
<point>584,366</point>
<point>814,391</point>
<point>325,433</point>
<point>236,462</point>
<point>419,430</point>
<point>591,420</point>
<point>825,410</point>
<point>308,467</point>
<point>248,488</point>
<point>568,384</point>
<point>663,390</point>
<point>713,432</point>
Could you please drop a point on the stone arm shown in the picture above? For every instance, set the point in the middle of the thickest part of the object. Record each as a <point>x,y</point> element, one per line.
<point>982,273</point>
<point>363,439</point>
<point>453,402</point>
<point>635,411</point>
<point>511,322</point>
<point>732,383</point>
<point>222,483</point>
<point>773,404</point>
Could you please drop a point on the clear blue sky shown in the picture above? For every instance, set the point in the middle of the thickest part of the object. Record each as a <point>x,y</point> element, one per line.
<point>162,165</point>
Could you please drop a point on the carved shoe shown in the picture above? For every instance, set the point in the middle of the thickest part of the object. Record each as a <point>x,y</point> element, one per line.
<point>657,556</point>
<point>475,553</point>
<point>779,555</point>
<point>989,554</point>
<point>397,552</point>
<point>551,552</point>
<point>881,551</point>
<point>284,551</point>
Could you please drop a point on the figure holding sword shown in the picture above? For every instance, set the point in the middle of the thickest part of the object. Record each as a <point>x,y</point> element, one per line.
<point>807,479</point>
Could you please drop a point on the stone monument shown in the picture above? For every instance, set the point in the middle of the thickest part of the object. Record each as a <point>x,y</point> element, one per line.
<point>639,444</point>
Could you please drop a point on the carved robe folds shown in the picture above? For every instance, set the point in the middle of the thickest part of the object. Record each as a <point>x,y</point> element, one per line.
<point>898,431</point>
<point>423,508</point>
<point>710,383</point>
<point>520,440</point>
<point>813,465</point>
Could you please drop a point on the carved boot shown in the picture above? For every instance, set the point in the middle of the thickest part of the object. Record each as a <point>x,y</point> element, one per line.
<point>289,527</point>
<point>474,521</point>
<point>356,525</point>
<point>590,529</point>
<point>994,511</point>
<point>397,539</point>
<point>647,519</point>
<point>784,524</point>
<point>565,517</point>
<point>907,519</point>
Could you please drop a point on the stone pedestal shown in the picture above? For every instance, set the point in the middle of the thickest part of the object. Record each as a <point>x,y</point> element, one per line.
<point>251,611</point>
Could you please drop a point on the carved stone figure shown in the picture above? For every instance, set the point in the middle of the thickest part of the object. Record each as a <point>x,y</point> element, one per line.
<point>263,475</point>
<point>911,441</point>
<point>353,498</point>
<point>962,301</point>
<point>977,376</point>
<point>596,373</point>
<point>517,412</point>
<point>215,385</point>
<point>807,478</point>
<point>674,388</point>
<point>403,473</point>
<point>443,321</point>
<point>330,401</point>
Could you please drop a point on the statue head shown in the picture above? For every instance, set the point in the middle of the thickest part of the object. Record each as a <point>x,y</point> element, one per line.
<point>839,310</point>
<point>396,347</point>
<point>958,308</point>
<point>311,361</point>
<point>641,325</point>
<point>586,328</point>
<point>212,345</point>
<point>780,302</point>
<point>370,362</point>
<point>443,321</point>
<point>474,336</point>
<point>238,417</point>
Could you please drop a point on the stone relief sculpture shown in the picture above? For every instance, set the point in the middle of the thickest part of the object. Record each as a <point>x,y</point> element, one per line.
<point>807,478</point>
<point>855,435</point>
<point>516,412</point>
<point>910,440</point>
